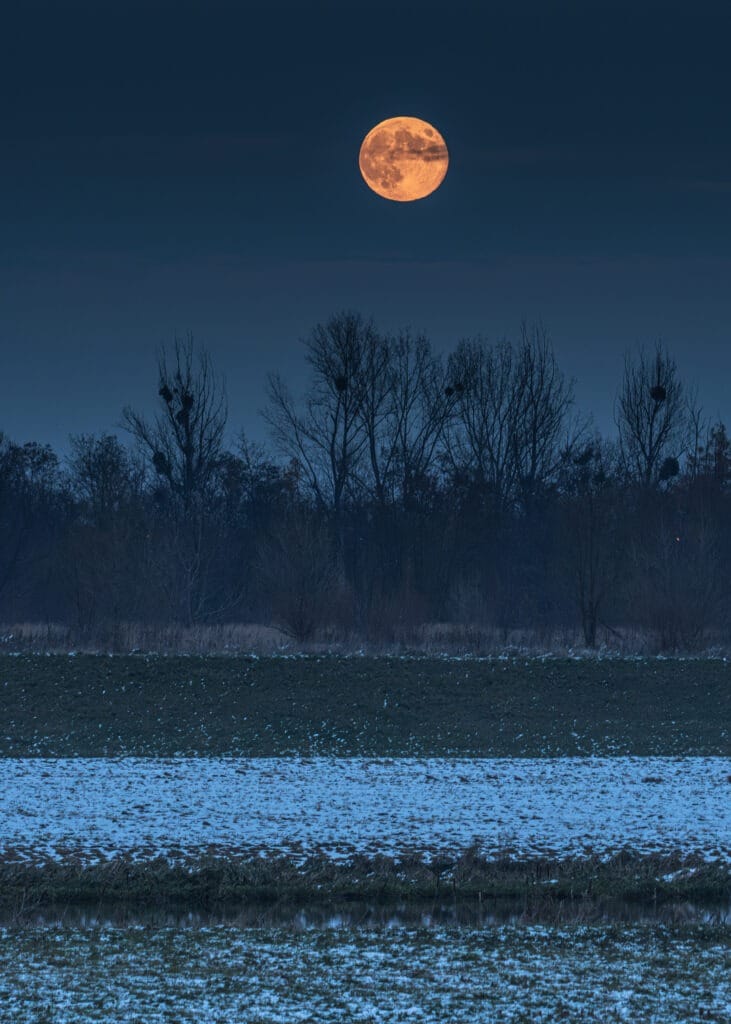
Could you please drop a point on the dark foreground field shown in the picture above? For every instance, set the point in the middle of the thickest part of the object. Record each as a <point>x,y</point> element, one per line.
<point>61,706</point>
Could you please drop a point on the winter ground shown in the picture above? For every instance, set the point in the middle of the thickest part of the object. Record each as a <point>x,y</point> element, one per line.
<point>527,759</point>
<point>96,808</point>
<point>137,706</point>
<point>505,974</point>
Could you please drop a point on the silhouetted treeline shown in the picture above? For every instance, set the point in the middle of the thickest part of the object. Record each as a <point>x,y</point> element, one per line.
<point>402,489</point>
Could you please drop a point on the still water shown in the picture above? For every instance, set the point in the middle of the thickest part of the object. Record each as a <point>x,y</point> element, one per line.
<point>357,915</point>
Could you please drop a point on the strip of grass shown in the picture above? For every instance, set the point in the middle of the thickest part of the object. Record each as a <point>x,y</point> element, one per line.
<point>261,707</point>
<point>224,877</point>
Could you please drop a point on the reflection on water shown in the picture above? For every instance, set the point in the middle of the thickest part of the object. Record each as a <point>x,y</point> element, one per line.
<point>351,915</point>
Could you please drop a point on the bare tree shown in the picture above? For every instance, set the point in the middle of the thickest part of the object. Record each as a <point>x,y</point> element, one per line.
<point>511,423</point>
<point>185,445</point>
<point>329,439</point>
<point>711,458</point>
<point>591,525</point>
<point>103,475</point>
<point>404,409</point>
<point>419,404</point>
<point>484,423</point>
<point>544,431</point>
<point>375,403</point>
<point>28,477</point>
<point>105,548</point>
<point>652,417</point>
<point>185,440</point>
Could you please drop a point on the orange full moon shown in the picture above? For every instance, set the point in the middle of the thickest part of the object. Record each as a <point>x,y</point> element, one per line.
<point>403,158</point>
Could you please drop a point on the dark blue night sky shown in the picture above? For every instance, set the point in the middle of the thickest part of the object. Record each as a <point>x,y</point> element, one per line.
<point>172,167</point>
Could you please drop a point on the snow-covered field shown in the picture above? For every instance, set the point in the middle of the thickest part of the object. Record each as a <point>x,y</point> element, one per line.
<point>180,807</point>
<point>266,976</point>
<point>99,807</point>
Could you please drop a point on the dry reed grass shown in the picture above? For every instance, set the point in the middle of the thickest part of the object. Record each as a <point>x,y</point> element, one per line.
<point>429,638</point>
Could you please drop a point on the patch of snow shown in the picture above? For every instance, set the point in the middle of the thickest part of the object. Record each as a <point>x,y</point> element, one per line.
<point>529,807</point>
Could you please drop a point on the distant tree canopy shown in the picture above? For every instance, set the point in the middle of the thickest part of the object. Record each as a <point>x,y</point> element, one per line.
<point>402,489</point>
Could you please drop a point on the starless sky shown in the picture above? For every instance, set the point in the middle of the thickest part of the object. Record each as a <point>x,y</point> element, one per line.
<point>167,167</point>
